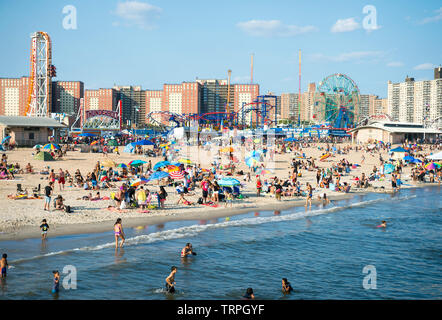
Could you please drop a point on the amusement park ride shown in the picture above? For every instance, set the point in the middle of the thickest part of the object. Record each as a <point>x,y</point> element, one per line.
<point>336,103</point>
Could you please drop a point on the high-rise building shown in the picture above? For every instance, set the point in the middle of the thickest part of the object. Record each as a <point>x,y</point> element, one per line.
<point>415,101</point>
<point>366,106</point>
<point>100,99</point>
<point>66,96</point>
<point>13,96</point>
<point>307,103</point>
<point>213,95</point>
<point>289,106</point>
<point>438,73</point>
<point>380,106</point>
<point>133,101</point>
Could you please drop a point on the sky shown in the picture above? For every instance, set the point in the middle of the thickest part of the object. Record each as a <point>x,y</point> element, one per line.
<point>149,43</point>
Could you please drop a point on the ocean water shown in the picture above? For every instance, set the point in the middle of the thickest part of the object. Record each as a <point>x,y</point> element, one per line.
<point>322,252</point>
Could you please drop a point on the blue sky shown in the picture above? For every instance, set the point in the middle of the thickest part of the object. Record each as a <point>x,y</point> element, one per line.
<point>152,42</point>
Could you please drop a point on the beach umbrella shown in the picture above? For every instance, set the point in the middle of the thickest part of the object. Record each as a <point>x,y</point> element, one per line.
<point>325,156</point>
<point>255,153</point>
<point>388,168</point>
<point>38,146</point>
<point>136,163</point>
<point>112,143</point>
<point>251,161</point>
<point>121,165</point>
<point>161,164</point>
<point>104,178</point>
<point>129,148</point>
<point>185,161</point>
<point>290,140</point>
<point>94,143</point>
<point>6,139</point>
<point>108,163</point>
<point>138,182</point>
<point>45,156</point>
<point>227,149</point>
<point>51,146</point>
<point>408,158</point>
<point>399,149</point>
<point>144,143</point>
<point>158,175</point>
<point>171,168</point>
<point>86,134</point>
<point>177,175</point>
<point>416,161</point>
<point>265,171</point>
<point>228,182</point>
<point>430,166</point>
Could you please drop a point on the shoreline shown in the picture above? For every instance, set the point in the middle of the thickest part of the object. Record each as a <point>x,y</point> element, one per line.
<point>33,232</point>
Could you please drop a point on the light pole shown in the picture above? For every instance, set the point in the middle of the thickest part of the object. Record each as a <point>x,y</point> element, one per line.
<point>426,110</point>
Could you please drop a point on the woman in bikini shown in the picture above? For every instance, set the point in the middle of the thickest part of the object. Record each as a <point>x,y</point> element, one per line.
<point>118,231</point>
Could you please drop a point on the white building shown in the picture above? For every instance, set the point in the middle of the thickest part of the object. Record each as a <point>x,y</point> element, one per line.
<point>415,101</point>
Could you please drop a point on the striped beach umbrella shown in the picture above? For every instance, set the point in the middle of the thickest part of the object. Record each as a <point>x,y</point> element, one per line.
<point>51,146</point>
<point>171,168</point>
<point>430,166</point>
<point>138,182</point>
<point>177,175</point>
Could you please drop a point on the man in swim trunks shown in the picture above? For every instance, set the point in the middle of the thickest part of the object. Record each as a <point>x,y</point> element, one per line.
<point>309,195</point>
<point>4,265</point>
<point>48,193</point>
<point>61,180</point>
<point>187,251</point>
<point>170,280</point>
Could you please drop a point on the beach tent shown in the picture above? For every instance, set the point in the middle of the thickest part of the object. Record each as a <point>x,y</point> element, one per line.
<point>437,156</point>
<point>129,148</point>
<point>45,156</point>
<point>228,182</point>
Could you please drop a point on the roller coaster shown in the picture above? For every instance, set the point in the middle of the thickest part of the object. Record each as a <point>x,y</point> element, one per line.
<point>257,113</point>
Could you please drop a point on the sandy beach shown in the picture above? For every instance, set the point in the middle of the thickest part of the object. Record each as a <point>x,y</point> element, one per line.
<point>20,219</point>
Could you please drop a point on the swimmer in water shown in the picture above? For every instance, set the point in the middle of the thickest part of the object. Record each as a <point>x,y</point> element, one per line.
<point>249,294</point>
<point>170,280</point>
<point>286,286</point>
<point>187,251</point>
<point>4,265</point>
<point>383,224</point>
<point>56,286</point>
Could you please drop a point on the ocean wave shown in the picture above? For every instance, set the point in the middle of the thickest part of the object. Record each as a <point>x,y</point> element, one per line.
<point>193,230</point>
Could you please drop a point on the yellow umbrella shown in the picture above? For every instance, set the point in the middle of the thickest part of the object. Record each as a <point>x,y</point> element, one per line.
<point>227,149</point>
<point>186,161</point>
<point>108,163</point>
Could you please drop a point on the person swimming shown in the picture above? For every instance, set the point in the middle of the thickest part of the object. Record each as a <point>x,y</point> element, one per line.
<point>249,294</point>
<point>383,224</point>
<point>286,286</point>
<point>187,251</point>
<point>170,280</point>
<point>56,286</point>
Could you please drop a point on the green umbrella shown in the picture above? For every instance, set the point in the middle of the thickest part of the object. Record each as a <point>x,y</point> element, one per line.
<point>113,143</point>
<point>43,155</point>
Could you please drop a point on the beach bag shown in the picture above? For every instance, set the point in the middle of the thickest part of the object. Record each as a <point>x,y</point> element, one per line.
<point>200,201</point>
<point>68,209</point>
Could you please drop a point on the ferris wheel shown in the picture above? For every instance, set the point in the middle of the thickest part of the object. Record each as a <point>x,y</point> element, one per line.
<point>336,101</point>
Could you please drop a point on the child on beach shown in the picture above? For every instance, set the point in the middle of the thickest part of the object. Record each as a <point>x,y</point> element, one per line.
<point>56,286</point>
<point>229,198</point>
<point>44,229</point>
<point>170,280</point>
<point>4,265</point>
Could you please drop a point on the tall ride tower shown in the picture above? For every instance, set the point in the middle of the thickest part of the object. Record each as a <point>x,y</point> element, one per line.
<point>42,70</point>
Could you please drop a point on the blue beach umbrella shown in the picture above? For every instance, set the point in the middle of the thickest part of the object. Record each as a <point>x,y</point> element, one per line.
<point>408,158</point>
<point>388,168</point>
<point>6,139</point>
<point>290,140</point>
<point>144,143</point>
<point>158,175</point>
<point>161,164</point>
<point>136,163</point>
<point>87,134</point>
<point>228,182</point>
<point>251,161</point>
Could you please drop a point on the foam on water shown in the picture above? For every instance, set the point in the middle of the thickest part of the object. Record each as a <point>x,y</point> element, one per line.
<point>193,230</point>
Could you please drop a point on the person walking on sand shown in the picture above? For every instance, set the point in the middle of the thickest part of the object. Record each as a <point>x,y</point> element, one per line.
<point>258,187</point>
<point>119,233</point>
<point>48,193</point>
<point>61,180</point>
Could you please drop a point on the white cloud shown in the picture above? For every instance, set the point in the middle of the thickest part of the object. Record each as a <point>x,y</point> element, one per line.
<point>395,64</point>
<point>273,28</point>
<point>424,66</point>
<point>135,13</point>
<point>349,56</point>
<point>435,18</point>
<point>345,25</point>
